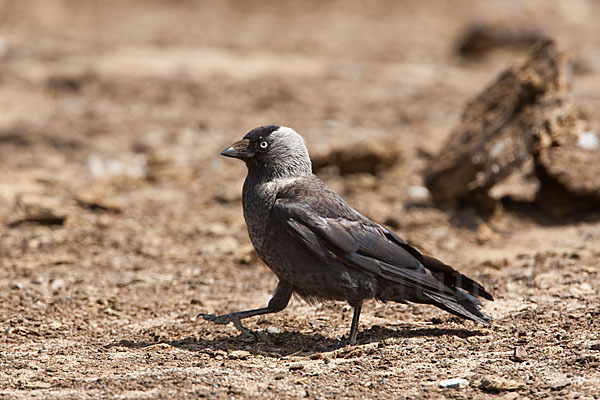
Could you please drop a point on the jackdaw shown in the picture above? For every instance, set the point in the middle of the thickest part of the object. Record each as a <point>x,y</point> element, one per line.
<point>322,249</point>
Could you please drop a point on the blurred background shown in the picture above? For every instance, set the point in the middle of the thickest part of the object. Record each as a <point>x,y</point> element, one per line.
<point>119,221</point>
<point>153,90</point>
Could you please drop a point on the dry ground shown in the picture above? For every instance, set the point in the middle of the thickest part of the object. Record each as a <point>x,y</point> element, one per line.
<point>119,222</point>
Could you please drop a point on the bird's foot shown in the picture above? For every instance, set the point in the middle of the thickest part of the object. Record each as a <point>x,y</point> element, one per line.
<point>217,319</point>
<point>226,319</point>
<point>342,344</point>
<point>337,346</point>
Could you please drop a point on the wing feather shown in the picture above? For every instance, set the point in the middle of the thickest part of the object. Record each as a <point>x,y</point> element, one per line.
<point>359,244</point>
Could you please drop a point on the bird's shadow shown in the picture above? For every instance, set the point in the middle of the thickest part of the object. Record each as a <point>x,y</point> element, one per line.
<point>284,344</point>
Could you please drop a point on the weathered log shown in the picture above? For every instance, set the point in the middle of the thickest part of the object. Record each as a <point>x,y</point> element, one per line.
<point>525,115</point>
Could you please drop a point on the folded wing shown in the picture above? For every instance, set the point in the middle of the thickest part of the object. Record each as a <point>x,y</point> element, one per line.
<point>365,245</point>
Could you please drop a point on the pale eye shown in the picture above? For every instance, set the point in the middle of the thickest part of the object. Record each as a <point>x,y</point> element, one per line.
<point>264,144</point>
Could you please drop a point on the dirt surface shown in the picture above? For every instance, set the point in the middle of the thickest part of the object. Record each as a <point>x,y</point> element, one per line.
<point>119,221</point>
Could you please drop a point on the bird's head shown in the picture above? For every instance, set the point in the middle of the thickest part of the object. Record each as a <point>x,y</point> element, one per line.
<point>274,150</point>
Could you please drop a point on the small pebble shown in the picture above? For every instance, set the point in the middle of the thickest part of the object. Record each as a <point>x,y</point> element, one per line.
<point>239,355</point>
<point>295,366</point>
<point>455,383</point>
<point>499,384</point>
<point>520,354</point>
<point>418,193</point>
<point>273,330</point>
<point>588,141</point>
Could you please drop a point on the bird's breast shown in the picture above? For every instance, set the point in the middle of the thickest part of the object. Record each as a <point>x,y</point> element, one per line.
<point>257,202</point>
<point>290,259</point>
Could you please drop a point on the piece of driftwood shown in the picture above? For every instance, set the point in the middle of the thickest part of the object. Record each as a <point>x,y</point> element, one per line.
<point>525,115</point>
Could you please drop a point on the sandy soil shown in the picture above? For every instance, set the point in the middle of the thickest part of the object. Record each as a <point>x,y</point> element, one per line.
<point>119,221</point>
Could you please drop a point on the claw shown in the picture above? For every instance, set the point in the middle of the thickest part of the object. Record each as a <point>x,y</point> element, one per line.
<point>351,341</point>
<point>341,345</point>
<point>217,319</point>
<point>227,318</point>
<point>245,331</point>
<point>207,317</point>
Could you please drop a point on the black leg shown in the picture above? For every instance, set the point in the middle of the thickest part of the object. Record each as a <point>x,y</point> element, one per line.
<point>354,326</point>
<point>279,301</point>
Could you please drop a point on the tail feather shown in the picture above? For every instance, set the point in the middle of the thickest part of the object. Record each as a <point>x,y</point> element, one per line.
<point>452,277</point>
<point>462,305</point>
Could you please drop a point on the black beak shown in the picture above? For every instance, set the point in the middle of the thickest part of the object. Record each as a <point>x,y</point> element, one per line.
<point>239,150</point>
<point>229,152</point>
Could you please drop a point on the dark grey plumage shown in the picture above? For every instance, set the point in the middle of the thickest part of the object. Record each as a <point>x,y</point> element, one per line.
<point>322,249</point>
